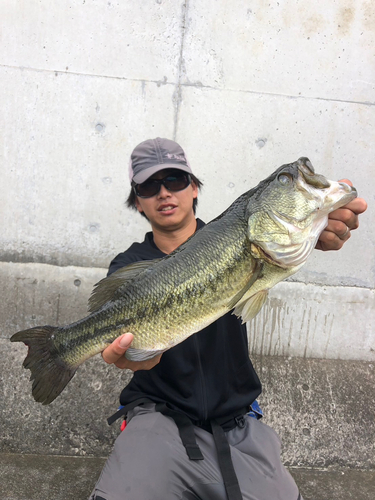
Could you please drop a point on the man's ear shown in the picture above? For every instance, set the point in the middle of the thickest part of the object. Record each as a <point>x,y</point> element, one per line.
<point>195,189</point>
<point>138,205</point>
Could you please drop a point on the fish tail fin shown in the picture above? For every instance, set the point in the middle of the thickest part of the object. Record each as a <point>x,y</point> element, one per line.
<point>49,372</point>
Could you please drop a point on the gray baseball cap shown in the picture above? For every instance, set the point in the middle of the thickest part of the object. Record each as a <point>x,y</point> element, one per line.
<point>153,155</point>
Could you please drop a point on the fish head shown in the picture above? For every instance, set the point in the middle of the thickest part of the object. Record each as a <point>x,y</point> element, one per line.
<point>287,212</point>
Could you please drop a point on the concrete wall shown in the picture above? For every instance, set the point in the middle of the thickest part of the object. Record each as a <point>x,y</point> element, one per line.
<point>243,86</point>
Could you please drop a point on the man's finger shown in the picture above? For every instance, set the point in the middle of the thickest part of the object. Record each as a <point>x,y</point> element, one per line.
<point>331,241</point>
<point>338,227</point>
<point>349,213</point>
<point>345,235</point>
<point>117,349</point>
<point>358,206</point>
<point>343,215</point>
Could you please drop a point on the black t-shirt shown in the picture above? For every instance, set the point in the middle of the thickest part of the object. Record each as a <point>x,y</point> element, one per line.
<point>209,375</point>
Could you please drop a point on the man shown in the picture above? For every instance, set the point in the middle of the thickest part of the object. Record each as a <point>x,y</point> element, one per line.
<point>190,432</point>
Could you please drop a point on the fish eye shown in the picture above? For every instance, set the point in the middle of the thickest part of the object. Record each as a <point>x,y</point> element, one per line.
<point>284,179</point>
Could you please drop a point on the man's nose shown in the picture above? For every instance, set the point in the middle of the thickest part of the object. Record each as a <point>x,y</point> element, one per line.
<point>163,193</point>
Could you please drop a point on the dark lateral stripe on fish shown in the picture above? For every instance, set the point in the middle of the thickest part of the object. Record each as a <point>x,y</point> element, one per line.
<point>49,373</point>
<point>89,334</point>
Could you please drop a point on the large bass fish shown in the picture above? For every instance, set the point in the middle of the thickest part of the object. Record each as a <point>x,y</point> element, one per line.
<point>265,236</point>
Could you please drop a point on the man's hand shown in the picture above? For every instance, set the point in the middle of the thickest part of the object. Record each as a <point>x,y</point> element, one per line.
<point>114,354</point>
<point>340,223</point>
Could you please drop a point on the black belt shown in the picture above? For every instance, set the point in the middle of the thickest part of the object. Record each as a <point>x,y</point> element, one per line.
<point>186,430</point>
<point>124,409</point>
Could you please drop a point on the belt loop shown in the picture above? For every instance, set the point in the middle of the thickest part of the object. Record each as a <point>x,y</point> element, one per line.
<point>240,421</point>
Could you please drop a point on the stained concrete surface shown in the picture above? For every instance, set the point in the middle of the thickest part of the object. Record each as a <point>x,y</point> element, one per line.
<point>36,477</point>
<point>335,484</point>
<point>43,477</point>
<point>300,320</point>
<point>243,91</point>
<point>323,410</point>
<point>86,222</point>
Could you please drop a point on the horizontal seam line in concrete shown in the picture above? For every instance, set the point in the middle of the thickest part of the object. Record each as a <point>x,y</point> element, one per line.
<point>92,75</point>
<point>105,269</point>
<point>328,285</point>
<point>95,457</point>
<point>197,85</point>
<point>331,468</point>
<point>4,454</point>
<point>274,94</point>
<point>39,263</point>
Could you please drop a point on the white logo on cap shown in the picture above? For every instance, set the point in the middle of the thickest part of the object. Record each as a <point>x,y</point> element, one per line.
<point>175,157</point>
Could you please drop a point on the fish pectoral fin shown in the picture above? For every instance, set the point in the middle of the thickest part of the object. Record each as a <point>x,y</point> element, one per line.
<point>142,354</point>
<point>242,293</point>
<point>106,289</point>
<point>249,307</point>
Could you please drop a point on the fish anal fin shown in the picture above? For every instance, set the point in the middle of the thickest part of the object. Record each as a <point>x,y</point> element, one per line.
<point>249,307</point>
<point>106,289</point>
<point>134,354</point>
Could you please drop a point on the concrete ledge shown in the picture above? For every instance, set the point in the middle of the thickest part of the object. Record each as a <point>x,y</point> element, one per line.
<point>74,424</point>
<point>335,484</point>
<point>299,320</point>
<point>43,477</point>
<point>323,410</point>
<point>315,321</point>
<point>42,294</point>
<point>36,477</point>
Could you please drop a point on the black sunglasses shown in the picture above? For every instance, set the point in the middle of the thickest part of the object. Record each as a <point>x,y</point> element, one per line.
<point>176,181</point>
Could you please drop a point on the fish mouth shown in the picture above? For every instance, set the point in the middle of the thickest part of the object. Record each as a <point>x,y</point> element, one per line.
<point>308,173</point>
<point>339,190</point>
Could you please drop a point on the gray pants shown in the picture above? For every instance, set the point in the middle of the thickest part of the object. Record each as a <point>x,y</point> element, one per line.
<point>149,462</point>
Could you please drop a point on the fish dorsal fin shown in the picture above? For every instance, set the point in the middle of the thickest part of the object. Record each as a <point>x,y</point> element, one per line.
<point>106,289</point>
<point>249,307</point>
<point>256,274</point>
